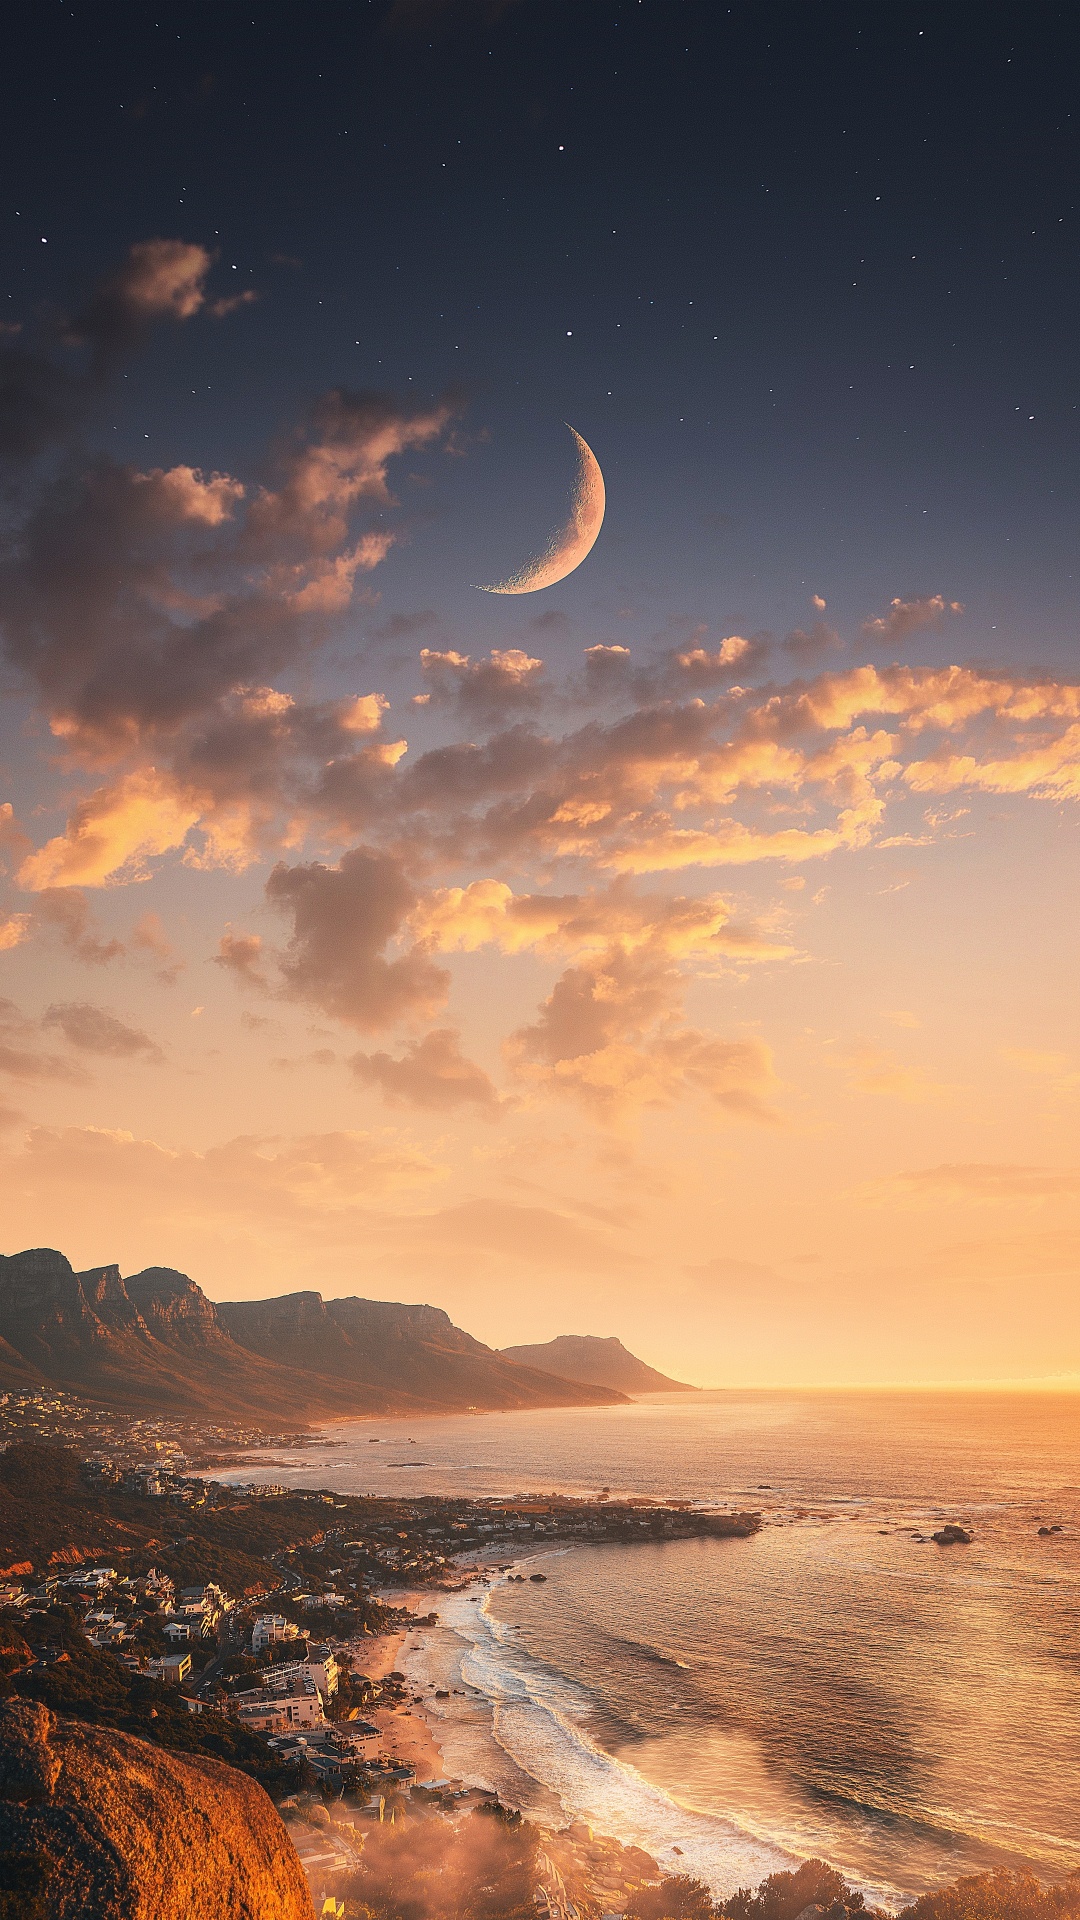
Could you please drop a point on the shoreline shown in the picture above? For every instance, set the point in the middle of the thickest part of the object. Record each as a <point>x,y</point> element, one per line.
<point>475,1733</point>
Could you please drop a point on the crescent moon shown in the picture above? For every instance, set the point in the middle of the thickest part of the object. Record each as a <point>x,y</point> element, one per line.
<point>568,547</point>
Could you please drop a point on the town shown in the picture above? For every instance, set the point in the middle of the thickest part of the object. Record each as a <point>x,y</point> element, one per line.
<point>261,1624</point>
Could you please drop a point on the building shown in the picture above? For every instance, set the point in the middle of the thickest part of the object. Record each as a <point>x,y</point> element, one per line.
<point>173,1668</point>
<point>319,1666</point>
<point>276,1709</point>
<point>272,1630</point>
<point>324,1670</point>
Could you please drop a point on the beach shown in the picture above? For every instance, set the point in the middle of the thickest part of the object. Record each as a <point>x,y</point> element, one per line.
<point>832,1687</point>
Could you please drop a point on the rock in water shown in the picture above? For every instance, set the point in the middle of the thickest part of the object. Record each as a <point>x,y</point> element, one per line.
<point>96,1825</point>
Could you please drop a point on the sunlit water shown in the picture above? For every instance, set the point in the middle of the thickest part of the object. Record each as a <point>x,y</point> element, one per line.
<point>830,1686</point>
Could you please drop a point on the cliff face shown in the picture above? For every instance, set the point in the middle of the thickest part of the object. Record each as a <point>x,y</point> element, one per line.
<point>154,1341</point>
<point>592,1361</point>
<point>160,1348</point>
<point>393,1357</point>
<point>97,1825</point>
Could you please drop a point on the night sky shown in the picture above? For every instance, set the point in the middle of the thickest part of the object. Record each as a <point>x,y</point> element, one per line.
<point>703,969</point>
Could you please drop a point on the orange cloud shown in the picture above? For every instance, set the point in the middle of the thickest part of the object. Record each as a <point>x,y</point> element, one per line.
<point>114,832</point>
<point>609,1035</point>
<point>432,1072</point>
<point>183,494</point>
<point>489,913</point>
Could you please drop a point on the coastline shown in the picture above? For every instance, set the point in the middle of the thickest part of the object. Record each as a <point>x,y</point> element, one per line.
<point>517,1730</point>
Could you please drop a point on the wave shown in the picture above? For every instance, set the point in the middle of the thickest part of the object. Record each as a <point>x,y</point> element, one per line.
<point>538,1717</point>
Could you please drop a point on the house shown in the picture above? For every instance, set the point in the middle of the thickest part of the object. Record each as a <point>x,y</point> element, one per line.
<point>272,1630</point>
<point>355,1740</point>
<point>172,1668</point>
<point>275,1708</point>
<point>324,1670</point>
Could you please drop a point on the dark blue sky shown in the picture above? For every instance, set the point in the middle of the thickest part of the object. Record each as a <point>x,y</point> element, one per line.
<point>803,274</point>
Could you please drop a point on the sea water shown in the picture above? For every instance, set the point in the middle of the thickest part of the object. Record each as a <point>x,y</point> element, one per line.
<point>834,1685</point>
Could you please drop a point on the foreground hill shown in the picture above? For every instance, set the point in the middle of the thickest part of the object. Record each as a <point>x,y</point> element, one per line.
<point>96,1825</point>
<point>594,1362</point>
<point>155,1342</point>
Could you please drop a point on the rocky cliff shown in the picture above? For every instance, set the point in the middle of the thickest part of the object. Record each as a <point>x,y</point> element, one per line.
<point>96,1825</point>
<point>155,1342</point>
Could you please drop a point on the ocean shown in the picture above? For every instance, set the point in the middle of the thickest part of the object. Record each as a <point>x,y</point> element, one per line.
<point>833,1686</point>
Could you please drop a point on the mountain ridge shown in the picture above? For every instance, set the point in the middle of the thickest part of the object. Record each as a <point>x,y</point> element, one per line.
<point>596,1360</point>
<point>156,1341</point>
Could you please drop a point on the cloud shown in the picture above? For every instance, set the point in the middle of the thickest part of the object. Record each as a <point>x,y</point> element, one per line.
<point>873,1069</point>
<point>988,1181</point>
<point>535,1236</point>
<point>507,681</point>
<point>21,1055</point>
<point>698,668</point>
<point>343,918</point>
<point>910,616</point>
<point>314,1186</point>
<point>241,955</point>
<point>94,1030</point>
<point>489,913</point>
<point>147,611</point>
<point>432,1072</point>
<point>184,495</point>
<point>42,395</point>
<point>609,1036</point>
<point>148,936</point>
<point>809,647</point>
<point>14,929</point>
<point>160,279</point>
<point>67,911</point>
<point>113,833</point>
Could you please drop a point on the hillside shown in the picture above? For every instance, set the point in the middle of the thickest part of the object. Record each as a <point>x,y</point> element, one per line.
<point>595,1362</point>
<point>155,1342</point>
<point>391,1356</point>
<point>94,1822</point>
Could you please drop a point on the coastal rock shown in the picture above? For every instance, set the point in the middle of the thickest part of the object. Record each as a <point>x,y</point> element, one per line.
<point>953,1536</point>
<point>96,1825</point>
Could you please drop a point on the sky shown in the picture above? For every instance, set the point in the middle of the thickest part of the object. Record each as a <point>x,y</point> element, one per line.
<point>687,950</point>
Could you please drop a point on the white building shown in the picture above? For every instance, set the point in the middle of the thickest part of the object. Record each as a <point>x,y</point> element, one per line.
<point>272,1630</point>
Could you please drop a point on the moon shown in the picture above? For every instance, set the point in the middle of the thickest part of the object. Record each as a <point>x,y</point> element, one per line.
<point>569,546</point>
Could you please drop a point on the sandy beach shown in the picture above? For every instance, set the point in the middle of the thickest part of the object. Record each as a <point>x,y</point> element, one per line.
<point>407,1732</point>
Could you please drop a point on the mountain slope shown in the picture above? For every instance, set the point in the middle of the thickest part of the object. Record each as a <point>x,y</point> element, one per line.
<point>593,1362</point>
<point>154,1342</point>
<point>396,1356</point>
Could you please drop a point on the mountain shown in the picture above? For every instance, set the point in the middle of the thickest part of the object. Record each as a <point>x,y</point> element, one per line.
<point>98,1822</point>
<point>395,1356</point>
<point>594,1362</point>
<point>154,1342</point>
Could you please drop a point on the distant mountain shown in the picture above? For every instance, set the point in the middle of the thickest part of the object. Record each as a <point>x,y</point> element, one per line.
<point>154,1342</point>
<point>593,1362</point>
<point>395,1355</point>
